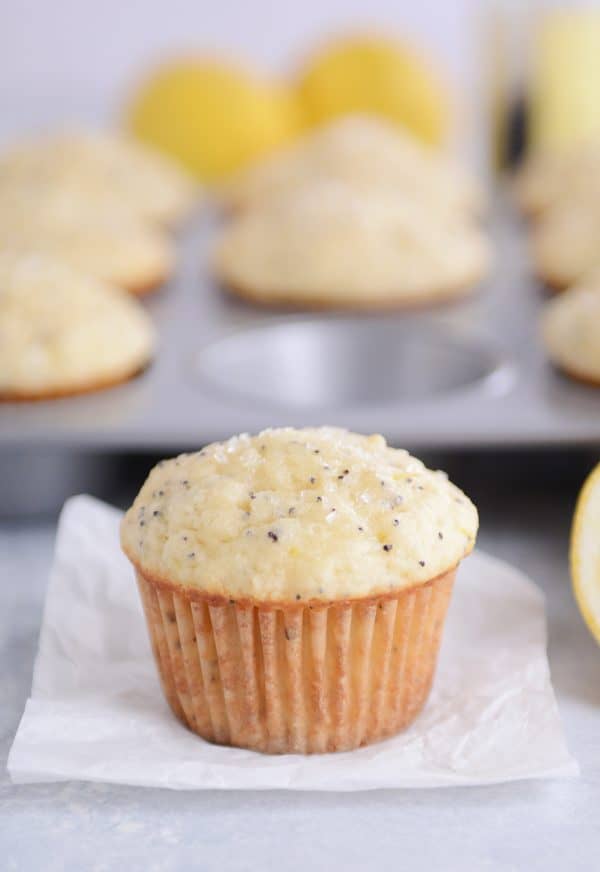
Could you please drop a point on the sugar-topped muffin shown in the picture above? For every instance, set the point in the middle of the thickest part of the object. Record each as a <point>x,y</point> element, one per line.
<point>565,243</point>
<point>331,244</point>
<point>571,332</point>
<point>551,179</point>
<point>367,151</point>
<point>291,560</point>
<point>108,243</point>
<point>103,168</point>
<point>62,332</point>
<point>241,519</point>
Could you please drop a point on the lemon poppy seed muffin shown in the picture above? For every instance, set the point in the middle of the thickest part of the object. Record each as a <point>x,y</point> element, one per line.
<point>571,332</point>
<point>152,184</point>
<point>368,152</point>
<point>331,244</point>
<point>102,168</point>
<point>64,333</point>
<point>565,243</point>
<point>106,242</point>
<point>550,179</point>
<point>295,585</point>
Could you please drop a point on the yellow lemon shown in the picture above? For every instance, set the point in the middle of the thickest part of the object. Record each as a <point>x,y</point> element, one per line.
<point>375,75</point>
<point>585,552</point>
<point>564,105</point>
<point>212,117</point>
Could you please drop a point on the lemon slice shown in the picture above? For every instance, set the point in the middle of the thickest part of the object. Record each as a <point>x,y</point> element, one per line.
<point>585,552</point>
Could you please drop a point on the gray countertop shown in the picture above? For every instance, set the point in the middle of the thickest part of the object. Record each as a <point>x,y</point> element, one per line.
<point>528,825</point>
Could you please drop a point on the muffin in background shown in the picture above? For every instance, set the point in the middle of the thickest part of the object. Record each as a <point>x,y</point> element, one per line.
<point>330,244</point>
<point>570,330</point>
<point>565,243</point>
<point>295,586</point>
<point>64,333</point>
<point>366,151</point>
<point>108,242</point>
<point>552,179</point>
<point>104,169</point>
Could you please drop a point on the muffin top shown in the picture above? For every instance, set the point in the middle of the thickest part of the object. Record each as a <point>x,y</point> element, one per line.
<point>571,331</point>
<point>367,247</point>
<point>556,178</point>
<point>106,241</point>
<point>102,167</point>
<point>311,514</point>
<point>364,150</point>
<point>62,332</point>
<point>565,242</point>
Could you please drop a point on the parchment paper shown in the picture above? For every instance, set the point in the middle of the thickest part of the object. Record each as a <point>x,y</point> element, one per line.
<point>96,711</point>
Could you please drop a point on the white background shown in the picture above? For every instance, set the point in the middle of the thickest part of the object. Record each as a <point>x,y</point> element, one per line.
<point>75,57</point>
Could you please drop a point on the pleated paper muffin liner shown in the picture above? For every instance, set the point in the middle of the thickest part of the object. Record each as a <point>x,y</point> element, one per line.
<point>296,678</point>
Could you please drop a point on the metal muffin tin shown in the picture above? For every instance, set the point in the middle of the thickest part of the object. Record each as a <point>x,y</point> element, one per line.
<point>465,375</point>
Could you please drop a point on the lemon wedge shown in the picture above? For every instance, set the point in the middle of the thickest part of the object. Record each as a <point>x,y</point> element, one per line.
<point>585,552</point>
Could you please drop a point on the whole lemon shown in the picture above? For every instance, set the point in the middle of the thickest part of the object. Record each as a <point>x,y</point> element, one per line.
<point>214,118</point>
<point>377,75</point>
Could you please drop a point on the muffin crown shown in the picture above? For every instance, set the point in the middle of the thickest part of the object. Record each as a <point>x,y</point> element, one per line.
<point>288,515</point>
<point>62,331</point>
<point>366,245</point>
<point>570,328</point>
<point>103,168</point>
<point>363,150</point>
<point>99,237</point>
